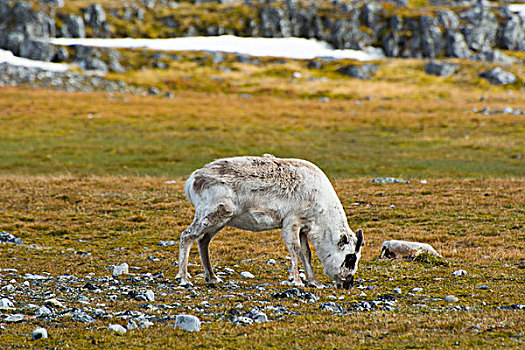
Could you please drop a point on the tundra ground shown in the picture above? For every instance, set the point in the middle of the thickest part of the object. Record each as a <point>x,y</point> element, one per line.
<point>83,184</point>
<point>477,225</point>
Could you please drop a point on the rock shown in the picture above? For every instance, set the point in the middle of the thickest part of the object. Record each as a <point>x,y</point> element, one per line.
<point>39,333</point>
<point>122,269</point>
<point>397,291</point>
<point>417,289</point>
<point>61,54</point>
<point>459,273</point>
<point>494,56</point>
<point>95,16</point>
<point>117,328</point>
<point>363,72</point>
<point>396,249</point>
<point>132,325</point>
<point>271,262</point>
<point>188,323</point>
<point>242,321</point>
<point>16,318</point>
<point>498,76</point>
<point>481,28</point>
<point>6,237</point>
<point>455,45</point>
<point>6,303</point>
<point>511,35</point>
<point>54,303</point>
<point>73,27</point>
<point>451,299</point>
<point>43,312</point>
<point>332,307</point>
<point>442,69</point>
<point>166,243</point>
<point>246,274</point>
<point>389,180</point>
<point>432,43</point>
<point>150,295</point>
<point>257,315</point>
<point>295,293</point>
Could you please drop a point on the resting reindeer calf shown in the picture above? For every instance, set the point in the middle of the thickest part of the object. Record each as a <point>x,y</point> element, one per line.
<point>266,193</point>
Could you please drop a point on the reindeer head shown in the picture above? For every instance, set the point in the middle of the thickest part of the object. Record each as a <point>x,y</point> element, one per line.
<point>348,258</point>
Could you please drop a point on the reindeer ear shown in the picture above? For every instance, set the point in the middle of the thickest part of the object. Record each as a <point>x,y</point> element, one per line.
<point>360,240</point>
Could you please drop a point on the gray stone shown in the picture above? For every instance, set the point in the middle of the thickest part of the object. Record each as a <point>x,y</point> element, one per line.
<point>6,303</point>
<point>498,76</point>
<point>397,291</point>
<point>246,274</point>
<point>166,243</point>
<point>95,16</point>
<point>36,50</point>
<point>332,307</point>
<point>43,312</point>
<point>6,237</point>
<point>16,318</point>
<point>188,323</point>
<point>363,72</point>
<point>122,269</point>
<point>511,35</point>
<point>117,328</point>
<point>494,56</point>
<point>295,293</point>
<point>459,273</point>
<point>455,45</point>
<point>39,333</point>
<point>257,315</point>
<point>73,27</point>
<point>442,69</point>
<point>451,299</point>
<point>242,321</point>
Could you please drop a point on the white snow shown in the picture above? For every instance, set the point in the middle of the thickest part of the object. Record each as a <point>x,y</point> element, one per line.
<point>296,48</point>
<point>7,56</point>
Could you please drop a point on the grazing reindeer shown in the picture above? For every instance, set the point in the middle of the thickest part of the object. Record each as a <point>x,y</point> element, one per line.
<point>266,193</point>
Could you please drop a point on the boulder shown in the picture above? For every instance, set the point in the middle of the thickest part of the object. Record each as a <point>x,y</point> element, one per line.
<point>362,72</point>
<point>494,56</point>
<point>73,27</point>
<point>511,35</point>
<point>188,323</point>
<point>455,45</point>
<point>498,76</point>
<point>95,16</point>
<point>432,43</point>
<point>442,69</point>
<point>36,50</point>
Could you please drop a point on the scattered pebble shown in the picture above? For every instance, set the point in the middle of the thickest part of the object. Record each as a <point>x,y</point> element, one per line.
<point>122,269</point>
<point>188,323</point>
<point>117,328</point>
<point>459,273</point>
<point>271,262</point>
<point>39,333</point>
<point>246,274</point>
<point>451,299</point>
<point>397,290</point>
<point>6,303</point>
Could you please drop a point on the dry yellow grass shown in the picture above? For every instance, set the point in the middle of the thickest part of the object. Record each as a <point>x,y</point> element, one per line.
<point>476,224</point>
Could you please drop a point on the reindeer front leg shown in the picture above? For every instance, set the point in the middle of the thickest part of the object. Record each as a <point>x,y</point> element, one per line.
<point>306,258</point>
<point>290,234</point>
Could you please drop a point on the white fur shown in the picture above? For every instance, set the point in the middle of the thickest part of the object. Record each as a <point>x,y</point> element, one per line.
<point>403,249</point>
<point>265,193</point>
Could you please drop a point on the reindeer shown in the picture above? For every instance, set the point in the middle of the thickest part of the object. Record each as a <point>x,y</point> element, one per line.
<point>266,193</point>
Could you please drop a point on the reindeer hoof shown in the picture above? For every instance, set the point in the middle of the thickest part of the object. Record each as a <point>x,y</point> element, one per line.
<point>214,280</point>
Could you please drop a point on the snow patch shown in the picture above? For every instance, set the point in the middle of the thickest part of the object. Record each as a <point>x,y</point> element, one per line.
<point>295,48</point>
<point>8,57</point>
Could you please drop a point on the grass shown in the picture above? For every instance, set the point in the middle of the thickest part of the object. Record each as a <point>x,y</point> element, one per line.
<point>401,123</point>
<point>86,173</point>
<point>127,216</point>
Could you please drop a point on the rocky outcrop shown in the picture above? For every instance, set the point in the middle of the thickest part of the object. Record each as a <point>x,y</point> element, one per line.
<point>498,76</point>
<point>466,29</point>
